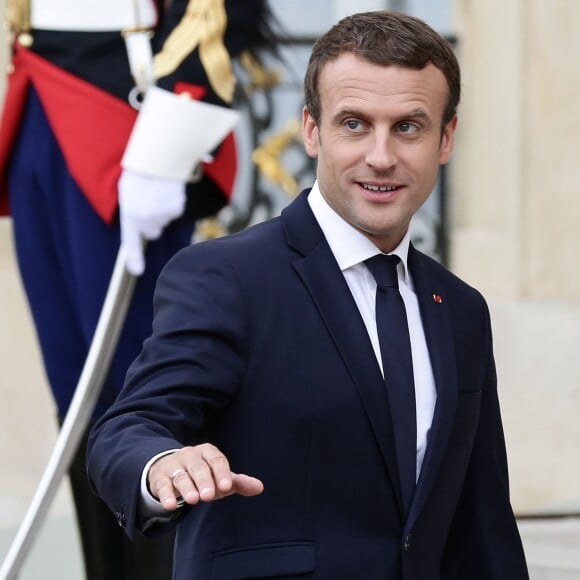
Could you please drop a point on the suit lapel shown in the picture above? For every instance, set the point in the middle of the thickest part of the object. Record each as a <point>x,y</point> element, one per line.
<point>320,273</point>
<point>325,282</point>
<point>434,308</point>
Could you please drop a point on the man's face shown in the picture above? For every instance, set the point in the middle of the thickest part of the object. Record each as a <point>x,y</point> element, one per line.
<point>379,143</point>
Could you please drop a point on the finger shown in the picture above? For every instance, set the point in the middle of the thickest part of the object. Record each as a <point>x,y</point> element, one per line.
<point>165,491</point>
<point>219,466</point>
<point>133,245</point>
<point>246,485</point>
<point>183,486</point>
<point>211,474</point>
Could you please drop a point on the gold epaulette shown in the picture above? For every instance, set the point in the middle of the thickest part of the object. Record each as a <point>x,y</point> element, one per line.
<point>203,24</point>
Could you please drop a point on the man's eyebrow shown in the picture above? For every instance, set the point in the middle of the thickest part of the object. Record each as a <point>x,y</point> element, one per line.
<point>417,114</point>
<point>344,113</point>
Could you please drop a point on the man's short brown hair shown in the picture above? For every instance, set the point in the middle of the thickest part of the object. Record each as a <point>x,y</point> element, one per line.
<point>384,38</point>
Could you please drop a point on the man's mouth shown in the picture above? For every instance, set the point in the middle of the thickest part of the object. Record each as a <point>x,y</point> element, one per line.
<point>379,188</point>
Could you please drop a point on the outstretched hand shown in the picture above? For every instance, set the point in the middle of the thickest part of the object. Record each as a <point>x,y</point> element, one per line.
<point>199,473</point>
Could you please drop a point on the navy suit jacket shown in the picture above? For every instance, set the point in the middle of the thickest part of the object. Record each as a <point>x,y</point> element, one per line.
<point>259,348</point>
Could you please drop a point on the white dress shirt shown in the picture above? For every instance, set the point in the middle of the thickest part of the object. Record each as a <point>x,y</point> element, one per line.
<point>351,248</point>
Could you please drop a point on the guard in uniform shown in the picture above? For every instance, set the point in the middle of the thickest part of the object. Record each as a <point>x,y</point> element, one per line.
<point>90,160</point>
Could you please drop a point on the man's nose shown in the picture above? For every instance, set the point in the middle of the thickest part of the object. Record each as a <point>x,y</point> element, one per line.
<point>382,153</point>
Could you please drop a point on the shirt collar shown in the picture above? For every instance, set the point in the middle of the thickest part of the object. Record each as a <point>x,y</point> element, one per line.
<point>348,245</point>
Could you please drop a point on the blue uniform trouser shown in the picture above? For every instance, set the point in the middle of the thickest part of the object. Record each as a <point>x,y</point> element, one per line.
<point>66,255</point>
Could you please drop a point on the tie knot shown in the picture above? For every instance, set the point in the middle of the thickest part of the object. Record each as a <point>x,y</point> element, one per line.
<point>384,270</point>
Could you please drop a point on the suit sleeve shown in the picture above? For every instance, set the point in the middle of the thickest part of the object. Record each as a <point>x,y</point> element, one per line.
<point>484,542</point>
<point>188,370</point>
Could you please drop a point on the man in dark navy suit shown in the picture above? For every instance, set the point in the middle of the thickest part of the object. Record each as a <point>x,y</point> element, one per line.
<point>266,417</point>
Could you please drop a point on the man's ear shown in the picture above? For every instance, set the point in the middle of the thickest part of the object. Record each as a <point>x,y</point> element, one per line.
<point>309,133</point>
<point>447,141</point>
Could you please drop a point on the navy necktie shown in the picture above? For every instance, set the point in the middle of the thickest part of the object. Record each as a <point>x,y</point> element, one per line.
<point>395,345</point>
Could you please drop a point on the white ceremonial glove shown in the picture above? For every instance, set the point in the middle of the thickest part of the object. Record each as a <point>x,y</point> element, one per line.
<point>146,205</point>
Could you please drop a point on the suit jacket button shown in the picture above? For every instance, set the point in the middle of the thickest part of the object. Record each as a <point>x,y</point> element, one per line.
<point>407,542</point>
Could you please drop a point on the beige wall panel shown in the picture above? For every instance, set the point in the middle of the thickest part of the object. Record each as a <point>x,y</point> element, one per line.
<point>515,227</point>
<point>552,162</point>
<point>485,176</point>
<point>536,348</point>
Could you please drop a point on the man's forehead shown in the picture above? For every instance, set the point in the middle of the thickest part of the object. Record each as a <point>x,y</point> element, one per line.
<point>348,64</point>
<point>351,81</point>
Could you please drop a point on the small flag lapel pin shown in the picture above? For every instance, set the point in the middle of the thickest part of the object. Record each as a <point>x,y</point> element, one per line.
<point>437,298</point>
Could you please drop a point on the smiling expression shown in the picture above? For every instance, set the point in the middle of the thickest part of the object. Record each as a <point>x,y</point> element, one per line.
<point>379,143</point>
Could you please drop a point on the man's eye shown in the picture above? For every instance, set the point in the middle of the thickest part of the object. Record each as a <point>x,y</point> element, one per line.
<point>353,125</point>
<point>408,128</point>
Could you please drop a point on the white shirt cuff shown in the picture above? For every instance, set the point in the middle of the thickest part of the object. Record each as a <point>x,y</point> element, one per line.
<point>150,509</point>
